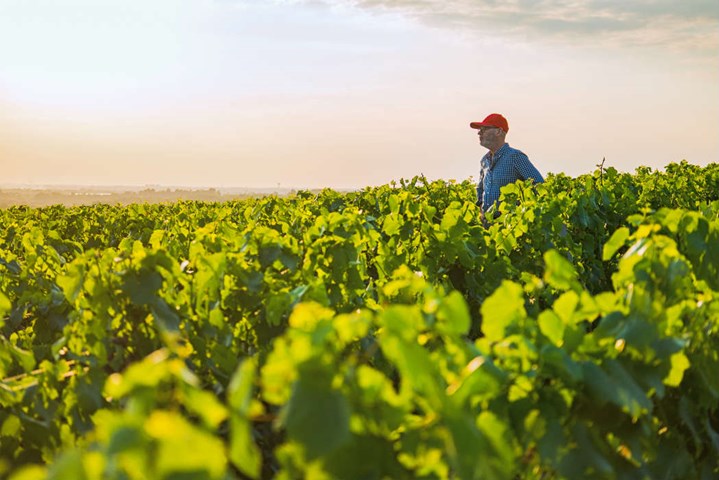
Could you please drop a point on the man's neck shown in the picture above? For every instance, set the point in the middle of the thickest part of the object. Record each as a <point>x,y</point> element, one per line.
<point>492,151</point>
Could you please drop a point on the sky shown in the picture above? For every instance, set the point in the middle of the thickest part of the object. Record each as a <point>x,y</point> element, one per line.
<point>348,93</point>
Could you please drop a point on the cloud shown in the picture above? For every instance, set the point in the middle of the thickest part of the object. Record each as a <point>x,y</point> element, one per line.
<point>688,27</point>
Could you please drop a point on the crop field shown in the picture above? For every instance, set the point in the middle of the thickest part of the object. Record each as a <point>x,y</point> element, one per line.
<point>377,334</point>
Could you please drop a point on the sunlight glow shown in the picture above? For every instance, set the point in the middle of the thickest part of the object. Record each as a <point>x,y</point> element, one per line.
<point>314,94</point>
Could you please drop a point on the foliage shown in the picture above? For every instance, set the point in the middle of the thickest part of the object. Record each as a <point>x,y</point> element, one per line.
<point>383,333</point>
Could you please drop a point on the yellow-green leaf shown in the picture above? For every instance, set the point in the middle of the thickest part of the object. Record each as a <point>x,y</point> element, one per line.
<point>552,327</point>
<point>680,363</point>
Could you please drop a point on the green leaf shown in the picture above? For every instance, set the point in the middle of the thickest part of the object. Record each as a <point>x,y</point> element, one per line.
<point>307,316</point>
<point>25,358</point>
<point>5,306</point>
<point>565,306</point>
<point>613,384</point>
<point>391,225</point>
<point>680,363</point>
<point>71,282</point>
<point>317,417</point>
<point>403,321</point>
<point>558,358</point>
<point>268,254</point>
<point>465,445</point>
<point>156,239</point>
<point>205,405</point>
<point>10,427</point>
<point>501,309</point>
<point>216,318</point>
<point>453,314</point>
<point>30,472</point>
<point>141,286</point>
<point>552,327</point>
<point>552,440</point>
<point>479,379</point>
<point>166,318</point>
<point>183,449</point>
<point>69,465</point>
<point>559,272</point>
<point>351,327</point>
<point>210,271</point>
<point>243,452</point>
<point>277,306</point>
<point>615,242</point>
<point>147,373</point>
<point>12,266</point>
<point>589,453</point>
<point>240,389</point>
<point>399,344</point>
<point>495,430</point>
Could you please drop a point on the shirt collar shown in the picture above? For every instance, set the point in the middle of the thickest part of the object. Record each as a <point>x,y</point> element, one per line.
<point>500,151</point>
<point>491,160</point>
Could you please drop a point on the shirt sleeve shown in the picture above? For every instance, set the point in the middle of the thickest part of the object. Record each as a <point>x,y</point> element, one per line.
<point>524,169</point>
<point>480,183</point>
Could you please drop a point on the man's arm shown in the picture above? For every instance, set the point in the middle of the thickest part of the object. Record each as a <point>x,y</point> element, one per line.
<point>524,169</point>
<point>480,183</point>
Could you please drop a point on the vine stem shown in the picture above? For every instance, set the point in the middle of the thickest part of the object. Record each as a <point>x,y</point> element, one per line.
<point>600,166</point>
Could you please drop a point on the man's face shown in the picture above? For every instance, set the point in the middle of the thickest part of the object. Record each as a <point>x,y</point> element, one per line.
<point>489,137</point>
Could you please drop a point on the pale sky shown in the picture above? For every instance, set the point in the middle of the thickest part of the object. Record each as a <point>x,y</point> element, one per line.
<point>348,93</point>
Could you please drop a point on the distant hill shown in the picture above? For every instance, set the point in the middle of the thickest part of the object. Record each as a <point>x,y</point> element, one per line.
<point>40,196</point>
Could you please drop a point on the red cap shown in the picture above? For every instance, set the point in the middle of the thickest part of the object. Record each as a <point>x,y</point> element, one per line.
<point>492,120</point>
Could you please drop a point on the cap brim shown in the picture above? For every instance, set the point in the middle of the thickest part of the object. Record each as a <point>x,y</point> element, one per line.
<point>477,125</point>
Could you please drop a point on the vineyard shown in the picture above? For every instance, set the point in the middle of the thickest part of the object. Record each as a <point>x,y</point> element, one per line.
<point>378,334</point>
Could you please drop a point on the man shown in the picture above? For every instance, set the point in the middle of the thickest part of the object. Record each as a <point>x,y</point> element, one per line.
<point>502,165</point>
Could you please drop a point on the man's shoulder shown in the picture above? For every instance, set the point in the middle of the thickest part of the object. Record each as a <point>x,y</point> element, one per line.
<point>514,152</point>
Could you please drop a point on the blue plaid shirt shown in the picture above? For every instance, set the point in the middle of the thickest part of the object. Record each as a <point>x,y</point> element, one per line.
<point>506,166</point>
